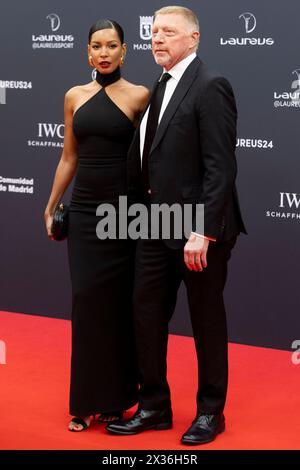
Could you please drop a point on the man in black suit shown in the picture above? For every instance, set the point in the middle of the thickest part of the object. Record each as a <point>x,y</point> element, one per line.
<point>184,152</point>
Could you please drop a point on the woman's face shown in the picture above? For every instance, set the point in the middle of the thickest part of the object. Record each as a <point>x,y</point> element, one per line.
<point>106,50</point>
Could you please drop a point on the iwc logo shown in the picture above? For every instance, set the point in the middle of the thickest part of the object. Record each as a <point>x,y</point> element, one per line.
<point>249,22</point>
<point>288,207</point>
<point>49,135</point>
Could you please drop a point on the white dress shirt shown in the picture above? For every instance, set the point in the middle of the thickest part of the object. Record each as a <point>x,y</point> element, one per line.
<point>176,73</point>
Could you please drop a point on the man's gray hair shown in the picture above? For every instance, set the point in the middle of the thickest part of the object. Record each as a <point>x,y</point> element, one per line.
<point>188,14</point>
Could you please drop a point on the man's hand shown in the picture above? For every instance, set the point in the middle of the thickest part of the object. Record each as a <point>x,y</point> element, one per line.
<point>195,251</point>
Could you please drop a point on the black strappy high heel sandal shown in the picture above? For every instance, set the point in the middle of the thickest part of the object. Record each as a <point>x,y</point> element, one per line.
<point>80,422</point>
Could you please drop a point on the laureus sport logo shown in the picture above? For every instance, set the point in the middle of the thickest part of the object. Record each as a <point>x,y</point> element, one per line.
<point>290,98</point>
<point>54,21</point>
<point>250,23</point>
<point>296,83</point>
<point>54,40</point>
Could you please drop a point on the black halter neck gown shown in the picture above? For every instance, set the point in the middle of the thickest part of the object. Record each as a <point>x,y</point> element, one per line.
<point>103,369</point>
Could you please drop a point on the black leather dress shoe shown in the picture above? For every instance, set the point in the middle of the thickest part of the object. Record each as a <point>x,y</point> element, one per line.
<point>204,428</point>
<point>142,420</point>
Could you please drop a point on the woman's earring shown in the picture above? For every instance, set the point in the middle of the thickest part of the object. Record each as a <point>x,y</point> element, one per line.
<point>122,61</point>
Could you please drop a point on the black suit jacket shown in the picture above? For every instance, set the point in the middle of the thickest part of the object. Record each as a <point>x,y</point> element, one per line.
<point>192,158</point>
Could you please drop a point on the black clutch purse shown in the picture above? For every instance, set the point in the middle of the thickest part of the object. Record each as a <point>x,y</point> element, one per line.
<point>59,227</point>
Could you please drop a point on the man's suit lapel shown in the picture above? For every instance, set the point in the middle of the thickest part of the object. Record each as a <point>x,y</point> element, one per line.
<point>180,91</point>
<point>178,95</point>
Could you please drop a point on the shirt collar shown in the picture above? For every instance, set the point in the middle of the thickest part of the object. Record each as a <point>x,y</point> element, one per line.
<point>178,70</point>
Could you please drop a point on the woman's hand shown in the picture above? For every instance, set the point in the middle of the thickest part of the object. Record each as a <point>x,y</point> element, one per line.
<point>48,221</point>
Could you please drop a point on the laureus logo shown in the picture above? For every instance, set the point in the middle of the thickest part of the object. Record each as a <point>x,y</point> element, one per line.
<point>254,143</point>
<point>296,83</point>
<point>54,21</point>
<point>53,40</point>
<point>250,21</point>
<point>250,24</point>
<point>291,98</point>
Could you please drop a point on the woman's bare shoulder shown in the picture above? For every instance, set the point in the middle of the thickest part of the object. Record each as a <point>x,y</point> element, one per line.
<point>77,94</point>
<point>79,90</point>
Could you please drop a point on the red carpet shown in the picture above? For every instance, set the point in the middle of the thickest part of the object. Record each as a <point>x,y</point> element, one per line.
<point>262,412</point>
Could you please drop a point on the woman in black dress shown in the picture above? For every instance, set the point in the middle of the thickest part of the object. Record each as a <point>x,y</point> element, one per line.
<point>99,126</point>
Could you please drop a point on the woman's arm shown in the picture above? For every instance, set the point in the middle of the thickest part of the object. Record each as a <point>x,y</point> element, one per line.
<point>67,165</point>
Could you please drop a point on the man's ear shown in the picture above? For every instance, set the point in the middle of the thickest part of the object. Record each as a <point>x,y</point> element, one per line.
<point>195,39</point>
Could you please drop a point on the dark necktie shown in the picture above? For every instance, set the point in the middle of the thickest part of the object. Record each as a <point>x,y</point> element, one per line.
<point>152,123</point>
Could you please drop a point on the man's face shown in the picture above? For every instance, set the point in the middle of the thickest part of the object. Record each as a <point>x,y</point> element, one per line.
<point>172,39</point>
